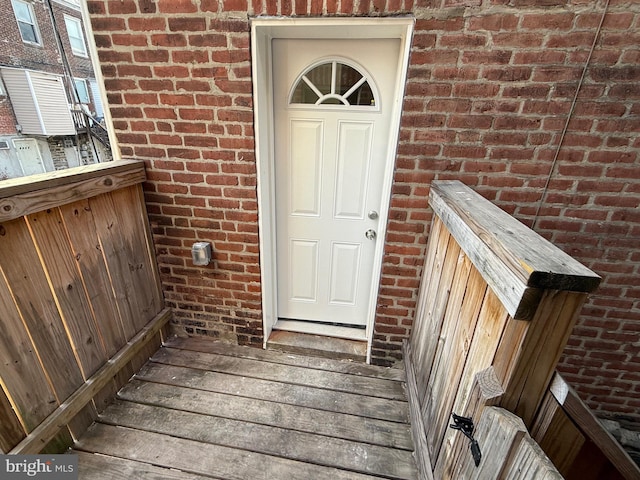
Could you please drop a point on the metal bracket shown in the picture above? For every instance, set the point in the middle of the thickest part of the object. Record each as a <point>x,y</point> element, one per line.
<point>465,425</point>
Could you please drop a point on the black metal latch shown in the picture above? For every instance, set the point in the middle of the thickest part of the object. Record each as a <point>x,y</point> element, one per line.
<point>465,425</point>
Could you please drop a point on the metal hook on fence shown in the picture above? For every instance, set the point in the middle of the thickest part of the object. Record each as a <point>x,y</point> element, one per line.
<point>465,425</point>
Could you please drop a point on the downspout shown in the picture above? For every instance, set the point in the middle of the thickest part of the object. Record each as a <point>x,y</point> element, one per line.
<point>569,116</point>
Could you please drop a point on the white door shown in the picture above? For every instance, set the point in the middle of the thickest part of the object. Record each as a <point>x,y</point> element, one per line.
<point>29,156</point>
<point>333,104</point>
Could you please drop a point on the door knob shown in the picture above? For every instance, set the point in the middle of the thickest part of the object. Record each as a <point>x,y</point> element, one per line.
<point>372,214</point>
<point>370,234</point>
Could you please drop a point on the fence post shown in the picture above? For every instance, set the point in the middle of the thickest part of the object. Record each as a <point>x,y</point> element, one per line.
<point>493,294</point>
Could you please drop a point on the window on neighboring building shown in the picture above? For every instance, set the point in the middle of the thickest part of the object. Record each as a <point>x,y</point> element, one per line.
<point>26,21</point>
<point>81,88</point>
<point>76,39</point>
<point>69,3</point>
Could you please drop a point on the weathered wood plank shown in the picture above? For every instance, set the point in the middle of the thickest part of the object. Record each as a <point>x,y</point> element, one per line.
<point>530,462</point>
<point>11,432</point>
<point>59,188</point>
<point>83,395</point>
<point>331,401</point>
<point>444,379</point>
<point>275,414</point>
<point>139,207</point>
<point>486,391</point>
<point>201,458</point>
<point>24,378</point>
<point>491,321</point>
<point>24,273</point>
<point>423,341</point>
<point>59,178</point>
<point>421,451</point>
<point>584,418</point>
<point>514,260</point>
<point>20,370</point>
<point>67,288</point>
<point>81,228</point>
<point>433,322</point>
<point>458,339</point>
<point>436,243</point>
<point>556,434</point>
<point>104,398</point>
<point>43,312</point>
<point>103,467</point>
<point>530,373</point>
<point>279,442</point>
<point>205,345</point>
<point>497,433</point>
<point>284,373</point>
<point>125,250</point>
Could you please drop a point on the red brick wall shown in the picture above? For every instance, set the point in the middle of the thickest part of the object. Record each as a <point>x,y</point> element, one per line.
<point>80,66</point>
<point>15,52</point>
<point>7,117</point>
<point>490,88</point>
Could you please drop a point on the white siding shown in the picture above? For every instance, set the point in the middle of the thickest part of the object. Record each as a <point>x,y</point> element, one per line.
<point>39,102</point>
<point>24,105</point>
<point>52,102</point>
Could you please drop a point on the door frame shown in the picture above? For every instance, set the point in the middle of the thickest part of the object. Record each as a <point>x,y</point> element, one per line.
<point>263,31</point>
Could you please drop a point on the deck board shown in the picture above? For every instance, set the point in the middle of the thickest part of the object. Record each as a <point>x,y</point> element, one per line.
<point>338,381</point>
<point>105,467</point>
<point>276,414</point>
<point>204,410</point>
<point>372,407</point>
<point>273,356</point>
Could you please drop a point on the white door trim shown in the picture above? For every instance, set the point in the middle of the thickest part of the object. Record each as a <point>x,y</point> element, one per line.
<point>263,30</point>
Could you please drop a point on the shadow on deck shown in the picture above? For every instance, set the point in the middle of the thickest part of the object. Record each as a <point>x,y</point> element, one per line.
<point>199,409</point>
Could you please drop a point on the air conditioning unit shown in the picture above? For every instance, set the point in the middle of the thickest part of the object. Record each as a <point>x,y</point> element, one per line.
<point>4,145</point>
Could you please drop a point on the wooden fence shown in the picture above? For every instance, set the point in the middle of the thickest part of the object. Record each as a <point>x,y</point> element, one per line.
<point>508,451</point>
<point>496,307</point>
<point>576,442</point>
<point>80,299</point>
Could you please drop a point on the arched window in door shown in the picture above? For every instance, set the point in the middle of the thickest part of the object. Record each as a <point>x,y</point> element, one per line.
<point>334,82</point>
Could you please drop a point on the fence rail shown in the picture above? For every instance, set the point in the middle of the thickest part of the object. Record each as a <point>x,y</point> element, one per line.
<point>577,443</point>
<point>78,282</point>
<point>496,307</point>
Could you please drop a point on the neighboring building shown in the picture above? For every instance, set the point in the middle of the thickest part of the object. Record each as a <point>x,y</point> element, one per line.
<point>534,104</point>
<point>47,87</point>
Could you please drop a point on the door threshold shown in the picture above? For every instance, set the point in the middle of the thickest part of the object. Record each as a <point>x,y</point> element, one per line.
<point>317,346</point>
<point>322,329</point>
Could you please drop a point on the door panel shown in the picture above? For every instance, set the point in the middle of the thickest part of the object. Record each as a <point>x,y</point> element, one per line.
<point>305,174</point>
<point>304,270</point>
<point>345,270</point>
<point>354,155</point>
<point>330,162</point>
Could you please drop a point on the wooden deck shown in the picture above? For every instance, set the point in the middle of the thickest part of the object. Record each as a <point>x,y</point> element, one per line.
<point>200,409</point>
